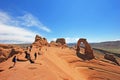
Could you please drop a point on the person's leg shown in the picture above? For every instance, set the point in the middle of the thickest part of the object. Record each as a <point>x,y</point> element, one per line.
<point>14,64</point>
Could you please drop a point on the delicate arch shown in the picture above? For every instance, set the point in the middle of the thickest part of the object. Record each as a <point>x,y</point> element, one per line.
<point>88,49</point>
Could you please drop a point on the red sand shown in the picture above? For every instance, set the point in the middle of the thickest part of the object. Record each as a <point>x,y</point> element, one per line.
<point>59,64</point>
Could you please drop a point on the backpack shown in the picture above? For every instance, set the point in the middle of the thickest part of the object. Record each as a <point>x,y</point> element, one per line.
<point>14,59</point>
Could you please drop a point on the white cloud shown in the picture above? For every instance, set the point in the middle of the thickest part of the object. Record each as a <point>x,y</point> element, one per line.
<point>29,20</point>
<point>11,30</point>
<point>71,40</point>
<point>4,17</point>
<point>12,34</point>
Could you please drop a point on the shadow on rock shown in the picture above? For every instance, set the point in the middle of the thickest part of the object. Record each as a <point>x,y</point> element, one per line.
<point>1,70</point>
<point>83,56</point>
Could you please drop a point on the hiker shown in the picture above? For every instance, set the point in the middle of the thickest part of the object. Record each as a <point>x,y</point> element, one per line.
<point>27,55</point>
<point>35,55</point>
<point>30,48</point>
<point>14,60</point>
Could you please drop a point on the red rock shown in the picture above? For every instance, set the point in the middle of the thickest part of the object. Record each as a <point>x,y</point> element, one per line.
<point>39,41</point>
<point>88,50</point>
<point>111,58</point>
<point>7,51</point>
<point>61,40</point>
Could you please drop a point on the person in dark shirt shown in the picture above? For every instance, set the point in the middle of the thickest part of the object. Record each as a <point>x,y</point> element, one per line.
<point>14,60</point>
<point>27,56</point>
<point>35,55</point>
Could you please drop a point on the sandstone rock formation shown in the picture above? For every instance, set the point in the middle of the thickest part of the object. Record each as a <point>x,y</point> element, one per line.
<point>61,40</point>
<point>4,53</point>
<point>36,46</point>
<point>7,51</point>
<point>39,41</point>
<point>88,50</point>
<point>53,43</point>
<point>111,58</point>
<point>57,63</point>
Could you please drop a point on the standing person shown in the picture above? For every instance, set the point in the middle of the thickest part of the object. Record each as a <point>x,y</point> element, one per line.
<point>27,55</point>
<point>30,48</point>
<point>14,60</point>
<point>35,55</point>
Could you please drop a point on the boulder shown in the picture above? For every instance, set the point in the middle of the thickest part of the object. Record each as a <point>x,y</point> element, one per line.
<point>61,41</point>
<point>39,41</point>
<point>54,44</point>
<point>111,58</point>
<point>7,51</point>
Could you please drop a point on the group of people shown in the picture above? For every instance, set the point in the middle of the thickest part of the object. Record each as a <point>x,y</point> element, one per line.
<point>27,56</point>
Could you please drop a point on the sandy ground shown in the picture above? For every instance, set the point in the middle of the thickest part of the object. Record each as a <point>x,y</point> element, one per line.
<point>59,64</point>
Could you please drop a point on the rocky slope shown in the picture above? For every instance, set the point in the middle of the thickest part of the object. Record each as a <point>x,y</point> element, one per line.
<point>58,63</point>
<point>7,51</point>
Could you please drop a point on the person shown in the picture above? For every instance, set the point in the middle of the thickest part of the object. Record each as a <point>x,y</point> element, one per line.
<point>35,55</point>
<point>14,60</point>
<point>27,56</point>
<point>30,48</point>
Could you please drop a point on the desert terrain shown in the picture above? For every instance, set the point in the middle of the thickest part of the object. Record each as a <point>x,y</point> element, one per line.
<point>56,61</point>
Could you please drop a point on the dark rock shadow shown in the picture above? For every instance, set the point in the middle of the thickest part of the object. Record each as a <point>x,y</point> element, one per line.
<point>111,58</point>
<point>1,70</point>
<point>82,56</point>
<point>11,67</point>
<point>20,60</point>
<point>31,61</point>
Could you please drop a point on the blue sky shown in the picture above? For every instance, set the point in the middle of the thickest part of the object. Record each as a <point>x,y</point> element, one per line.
<point>95,20</point>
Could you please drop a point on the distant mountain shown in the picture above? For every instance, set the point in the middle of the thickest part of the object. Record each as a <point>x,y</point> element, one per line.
<point>71,44</point>
<point>112,46</point>
<point>23,45</point>
<point>108,44</point>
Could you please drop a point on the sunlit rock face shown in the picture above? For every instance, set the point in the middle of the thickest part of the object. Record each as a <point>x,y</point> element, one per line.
<point>39,41</point>
<point>61,40</point>
<point>7,51</point>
